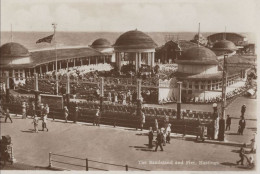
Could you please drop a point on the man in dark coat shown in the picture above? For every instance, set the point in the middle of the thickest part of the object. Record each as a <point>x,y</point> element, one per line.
<point>242,124</point>
<point>243,110</point>
<point>241,155</point>
<point>159,140</point>
<point>150,137</point>
<point>228,122</point>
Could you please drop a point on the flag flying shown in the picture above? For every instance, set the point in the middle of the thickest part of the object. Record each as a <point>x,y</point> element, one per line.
<point>47,39</point>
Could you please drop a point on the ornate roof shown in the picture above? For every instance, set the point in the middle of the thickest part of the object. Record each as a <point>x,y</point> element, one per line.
<point>134,39</point>
<point>101,43</point>
<point>198,55</point>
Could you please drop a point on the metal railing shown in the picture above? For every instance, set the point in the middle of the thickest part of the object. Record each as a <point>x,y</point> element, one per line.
<point>86,166</point>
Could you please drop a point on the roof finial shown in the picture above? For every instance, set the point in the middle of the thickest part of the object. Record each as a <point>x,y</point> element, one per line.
<point>11,33</point>
<point>199,35</point>
<point>225,33</point>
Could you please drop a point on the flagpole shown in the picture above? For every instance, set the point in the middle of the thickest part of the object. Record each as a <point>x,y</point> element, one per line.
<point>56,74</point>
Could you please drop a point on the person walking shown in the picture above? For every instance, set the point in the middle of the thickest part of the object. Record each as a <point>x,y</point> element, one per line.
<point>47,110</point>
<point>150,137</point>
<point>159,140</point>
<point>142,121</point>
<point>156,126</point>
<point>76,114</point>
<point>43,113</point>
<point>228,122</point>
<point>7,116</point>
<point>33,110</point>
<point>164,136</point>
<point>242,125</point>
<point>241,155</point>
<point>168,132</point>
<point>66,113</point>
<point>243,110</point>
<point>97,117</point>
<point>35,124</point>
<point>166,120</point>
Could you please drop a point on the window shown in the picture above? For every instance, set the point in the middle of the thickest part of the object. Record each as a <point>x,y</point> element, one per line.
<point>189,91</point>
<point>190,85</point>
<point>196,85</point>
<point>184,85</point>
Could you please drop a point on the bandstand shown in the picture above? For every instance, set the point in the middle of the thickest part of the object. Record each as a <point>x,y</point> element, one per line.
<point>136,48</point>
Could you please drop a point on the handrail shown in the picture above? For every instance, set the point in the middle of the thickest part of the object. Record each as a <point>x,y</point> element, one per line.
<point>87,161</point>
<point>68,156</point>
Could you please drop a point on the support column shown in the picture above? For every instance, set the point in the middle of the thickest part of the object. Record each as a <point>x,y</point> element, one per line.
<point>152,59</point>
<point>29,73</point>
<point>119,61</point>
<point>89,61</point>
<point>40,71</point>
<point>101,93</point>
<point>53,68</point>
<point>36,91</point>
<point>136,63</point>
<point>139,102</point>
<point>74,62</point>
<point>68,91</point>
<point>81,62</point>
<point>179,101</point>
<point>47,68</point>
<point>67,62</point>
<point>96,60</point>
<point>139,60</point>
<point>60,64</point>
<point>7,87</point>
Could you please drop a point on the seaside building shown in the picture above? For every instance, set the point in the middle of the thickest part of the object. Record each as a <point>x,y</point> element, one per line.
<point>171,50</point>
<point>201,76</point>
<point>19,63</point>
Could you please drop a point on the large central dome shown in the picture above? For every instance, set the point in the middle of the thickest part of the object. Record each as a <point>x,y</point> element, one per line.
<point>135,40</point>
<point>198,55</point>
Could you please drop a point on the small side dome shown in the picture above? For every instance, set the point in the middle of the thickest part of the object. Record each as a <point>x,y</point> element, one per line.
<point>14,53</point>
<point>101,43</point>
<point>13,49</point>
<point>224,45</point>
<point>135,39</point>
<point>198,55</point>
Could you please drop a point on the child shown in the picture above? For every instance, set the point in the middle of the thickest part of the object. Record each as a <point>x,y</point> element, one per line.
<point>35,123</point>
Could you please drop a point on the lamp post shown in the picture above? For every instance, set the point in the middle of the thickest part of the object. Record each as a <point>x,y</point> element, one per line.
<point>179,101</point>
<point>223,102</point>
<point>56,74</point>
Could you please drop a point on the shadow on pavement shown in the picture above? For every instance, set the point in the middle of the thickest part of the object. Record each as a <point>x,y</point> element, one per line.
<point>229,164</point>
<point>28,131</point>
<point>237,151</point>
<point>144,148</point>
<point>252,128</point>
<point>232,134</point>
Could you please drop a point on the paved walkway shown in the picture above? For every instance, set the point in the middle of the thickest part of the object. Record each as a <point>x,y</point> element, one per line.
<point>114,145</point>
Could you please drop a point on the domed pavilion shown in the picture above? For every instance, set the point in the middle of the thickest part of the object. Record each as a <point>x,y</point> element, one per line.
<point>198,70</point>
<point>135,47</point>
<point>14,57</point>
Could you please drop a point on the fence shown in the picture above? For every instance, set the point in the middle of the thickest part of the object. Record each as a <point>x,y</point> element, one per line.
<point>86,162</point>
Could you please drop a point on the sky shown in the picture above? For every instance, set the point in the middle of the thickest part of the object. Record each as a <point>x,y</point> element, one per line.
<point>124,15</point>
